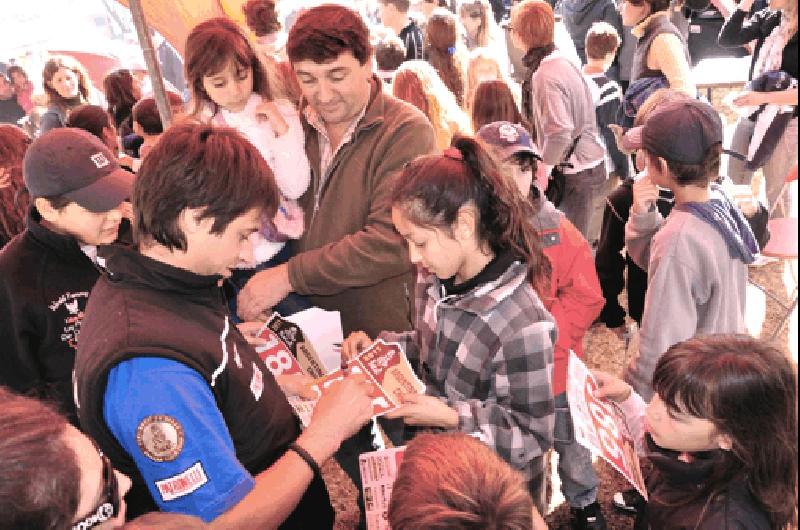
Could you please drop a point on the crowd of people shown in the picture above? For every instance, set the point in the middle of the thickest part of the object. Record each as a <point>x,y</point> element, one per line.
<point>475,185</point>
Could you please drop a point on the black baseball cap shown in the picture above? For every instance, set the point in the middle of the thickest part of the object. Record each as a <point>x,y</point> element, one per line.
<point>678,131</point>
<point>75,164</point>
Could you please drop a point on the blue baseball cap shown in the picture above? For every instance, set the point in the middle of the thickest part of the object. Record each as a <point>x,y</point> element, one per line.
<point>508,139</point>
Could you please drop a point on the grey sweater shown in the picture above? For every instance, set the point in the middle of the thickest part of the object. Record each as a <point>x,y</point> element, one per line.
<point>695,286</point>
<point>563,109</point>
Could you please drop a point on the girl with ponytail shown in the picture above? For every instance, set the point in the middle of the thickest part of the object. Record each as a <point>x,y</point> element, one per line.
<point>482,341</point>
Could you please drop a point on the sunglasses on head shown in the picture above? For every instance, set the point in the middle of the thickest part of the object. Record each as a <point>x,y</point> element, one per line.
<point>110,501</point>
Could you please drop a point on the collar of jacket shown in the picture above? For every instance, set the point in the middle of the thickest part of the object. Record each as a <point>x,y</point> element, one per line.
<point>639,29</point>
<point>128,267</point>
<point>484,298</point>
<point>374,114</point>
<point>65,246</point>
<point>680,473</point>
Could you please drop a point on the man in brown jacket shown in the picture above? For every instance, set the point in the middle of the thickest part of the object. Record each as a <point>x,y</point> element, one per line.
<point>350,258</point>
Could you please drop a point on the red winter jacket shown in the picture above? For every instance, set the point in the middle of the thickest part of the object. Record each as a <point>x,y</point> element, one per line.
<point>575,299</point>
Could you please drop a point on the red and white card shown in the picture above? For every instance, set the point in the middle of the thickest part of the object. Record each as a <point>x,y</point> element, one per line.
<point>600,425</point>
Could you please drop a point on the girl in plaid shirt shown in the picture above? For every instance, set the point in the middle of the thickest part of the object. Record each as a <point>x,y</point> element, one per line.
<point>482,341</point>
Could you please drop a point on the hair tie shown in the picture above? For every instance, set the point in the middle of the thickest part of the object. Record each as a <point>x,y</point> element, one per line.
<point>451,50</point>
<point>454,153</point>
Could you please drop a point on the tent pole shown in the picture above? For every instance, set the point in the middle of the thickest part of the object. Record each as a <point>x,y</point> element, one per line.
<point>153,68</point>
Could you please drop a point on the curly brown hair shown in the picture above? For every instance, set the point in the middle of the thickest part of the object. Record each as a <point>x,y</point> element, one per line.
<point>14,199</point>
<point>261,17</point>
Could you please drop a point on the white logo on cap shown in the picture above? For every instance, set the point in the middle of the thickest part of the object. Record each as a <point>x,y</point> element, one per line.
<point>100,160</point>
<point>508,133</point>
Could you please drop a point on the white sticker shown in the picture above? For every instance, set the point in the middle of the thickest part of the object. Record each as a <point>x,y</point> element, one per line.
<point>257,383</point>
<point>183,483</point>
<point>99,160</point>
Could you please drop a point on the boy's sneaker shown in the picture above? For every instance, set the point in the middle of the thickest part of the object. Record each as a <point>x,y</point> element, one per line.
<point>588,518</point>
<point>628,501</point>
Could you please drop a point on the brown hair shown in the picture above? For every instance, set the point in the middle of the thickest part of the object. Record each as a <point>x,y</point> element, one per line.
<point>445,52</point>
<point>432,189</point>
<point>145,113</point>
<point>493,102</point>
<point>401,5</point>
<point>121,94</point>
<point>694,174</point>
<point>14,199</point>
<point>90,118</point>
<point>416,82</point>
<point>210,47</point>
<point>748,390</point>
<point>52,66</point>
<point>602,40</point>
<point>451,481</point>
<point>261,17</point>
<point>533,21</point>
<point>199,166</point>
<point>39,473</point>
<point>487,18</point>
<point>390,53</point>
<point>322,33</point>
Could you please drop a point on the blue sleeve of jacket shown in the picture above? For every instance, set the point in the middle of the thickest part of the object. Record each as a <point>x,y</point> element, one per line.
<point>164,415</point>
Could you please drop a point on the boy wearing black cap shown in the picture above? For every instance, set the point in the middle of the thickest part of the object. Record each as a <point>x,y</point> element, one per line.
<point>697,257</point>
<point>46,273</point>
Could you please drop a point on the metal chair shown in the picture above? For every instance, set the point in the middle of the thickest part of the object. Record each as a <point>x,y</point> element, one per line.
<point>782,245</point>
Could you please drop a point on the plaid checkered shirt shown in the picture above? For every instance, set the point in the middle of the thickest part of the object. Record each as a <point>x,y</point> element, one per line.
<point>489,355</point>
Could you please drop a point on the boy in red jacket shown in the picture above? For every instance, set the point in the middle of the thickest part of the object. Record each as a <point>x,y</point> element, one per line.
<point>574,300</point>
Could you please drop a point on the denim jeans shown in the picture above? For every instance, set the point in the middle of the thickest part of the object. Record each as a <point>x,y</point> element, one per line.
<point>578,478</point>
<point>580,192</point>
<point>780,162</point>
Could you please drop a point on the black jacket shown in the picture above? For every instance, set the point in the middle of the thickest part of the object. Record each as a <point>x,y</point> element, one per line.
<point>672,504</point>
<point>610,263</point>
<point>146,308</point>
<point>45,280</point>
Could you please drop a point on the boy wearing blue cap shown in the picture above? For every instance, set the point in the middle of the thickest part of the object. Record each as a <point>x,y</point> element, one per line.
<point>574,299</point>
<point>77,191</point>
<point>697,257</point>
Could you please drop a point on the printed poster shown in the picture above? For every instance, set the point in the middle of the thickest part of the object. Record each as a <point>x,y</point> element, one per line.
<point>600,425</point>
<point>378,473</point>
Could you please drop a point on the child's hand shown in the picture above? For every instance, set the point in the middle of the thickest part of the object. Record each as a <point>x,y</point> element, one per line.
<point>645,195</point>
<point>297,385</point>
<point>5,177</point>
<point>357,342</point>
<point>611,387</point>
<point>425,411</point>
<point>269,110</point>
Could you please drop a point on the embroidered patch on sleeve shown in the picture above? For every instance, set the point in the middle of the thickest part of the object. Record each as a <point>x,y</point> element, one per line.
<point>183,483</point>
<point>160,438</point>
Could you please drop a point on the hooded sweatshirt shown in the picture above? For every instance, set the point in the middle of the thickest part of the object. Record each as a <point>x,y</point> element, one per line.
<point>696,261</point>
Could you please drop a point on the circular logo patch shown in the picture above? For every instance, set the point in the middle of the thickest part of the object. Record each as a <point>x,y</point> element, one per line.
<point>160,438</point>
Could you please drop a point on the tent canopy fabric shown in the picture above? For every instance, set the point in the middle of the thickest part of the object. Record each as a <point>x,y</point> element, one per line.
<point>176,18</point>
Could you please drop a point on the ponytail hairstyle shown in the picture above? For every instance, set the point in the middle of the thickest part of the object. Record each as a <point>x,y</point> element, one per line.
<point>748,390</point>
<point>445,51</point>
<point>432,189</point>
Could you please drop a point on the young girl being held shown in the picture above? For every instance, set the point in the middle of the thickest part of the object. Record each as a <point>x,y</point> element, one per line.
<point>721,432</point>
<point>482,341</point>
<point>229,88</point>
